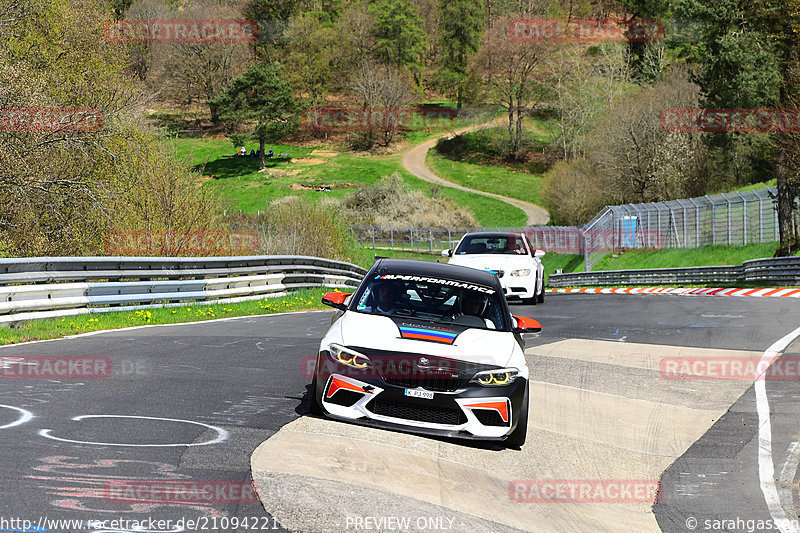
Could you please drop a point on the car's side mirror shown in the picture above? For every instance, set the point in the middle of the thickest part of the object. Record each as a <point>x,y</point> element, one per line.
<point>525,325</point>
<point>447,253</point>
<point>336,299</point>
<point>538,253</point>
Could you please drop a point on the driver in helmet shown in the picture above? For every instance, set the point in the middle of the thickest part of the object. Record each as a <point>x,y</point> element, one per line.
<point>385,298</point>
<point>475,303</point>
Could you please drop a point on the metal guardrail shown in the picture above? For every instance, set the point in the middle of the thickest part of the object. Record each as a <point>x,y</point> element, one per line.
<point>47,287</point>
<point>774,271</point>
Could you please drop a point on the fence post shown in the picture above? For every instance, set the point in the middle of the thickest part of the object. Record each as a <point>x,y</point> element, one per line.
<point>449,240</point>
<point>696,223</point>
<point>411,232</point>
<point>587,264</point>
<point>730,223</point>
<point>430,232</point>
<point>391,238</point>
<point>713,220</point>
<point>373,236</point>
<point>744,217</point>
<point>658,218</point>
<point>760,220</point>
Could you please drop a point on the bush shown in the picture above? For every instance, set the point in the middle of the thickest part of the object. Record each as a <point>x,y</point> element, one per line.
<point>573,192</point>
<point>392,203</point>
<point>295,225</point>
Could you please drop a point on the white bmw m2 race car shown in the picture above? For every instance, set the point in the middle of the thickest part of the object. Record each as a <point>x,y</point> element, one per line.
<point>508,255</point>
<point>428,348</point>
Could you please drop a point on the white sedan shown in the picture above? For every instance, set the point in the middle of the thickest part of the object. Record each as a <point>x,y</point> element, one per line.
<point>508,255</point>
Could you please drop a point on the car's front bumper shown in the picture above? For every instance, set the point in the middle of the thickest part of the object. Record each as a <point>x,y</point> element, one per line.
<point>519,286</point>
<point>472,411</point>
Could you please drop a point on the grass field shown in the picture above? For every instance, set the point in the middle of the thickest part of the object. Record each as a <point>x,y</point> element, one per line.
<point>476,160</point>
<point>243,188</point>
<point>762,185</point>
<point>306,299</point>
<point>686,257</point>
<point>497,180</point>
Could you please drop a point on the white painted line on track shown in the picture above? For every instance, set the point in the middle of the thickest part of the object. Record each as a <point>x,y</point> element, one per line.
<point>222,434</point>
<point>788,471</point>
<point>25,416</point>
<point>131,328</point>
<point>766,467</point>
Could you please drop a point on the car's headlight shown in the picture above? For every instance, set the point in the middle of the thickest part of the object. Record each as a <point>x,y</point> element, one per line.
<point>495,378</point>
<point>348,357</point>
<point>521,272</point>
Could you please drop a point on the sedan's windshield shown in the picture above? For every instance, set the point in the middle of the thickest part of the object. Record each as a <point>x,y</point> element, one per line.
<point>434,300</point>
<point>492,244</point>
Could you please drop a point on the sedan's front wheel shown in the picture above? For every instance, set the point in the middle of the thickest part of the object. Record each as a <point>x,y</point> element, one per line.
<point>540,295</point>
<point>535,298</point>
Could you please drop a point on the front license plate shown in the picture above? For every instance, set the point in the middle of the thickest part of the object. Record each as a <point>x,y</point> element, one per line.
<point>419,394</point>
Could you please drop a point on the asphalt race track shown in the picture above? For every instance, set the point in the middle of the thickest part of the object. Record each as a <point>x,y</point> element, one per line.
<point>225,400</point>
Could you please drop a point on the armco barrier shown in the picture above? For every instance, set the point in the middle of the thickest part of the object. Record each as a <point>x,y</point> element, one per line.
<point>29,287</point>
<point>774,271</point>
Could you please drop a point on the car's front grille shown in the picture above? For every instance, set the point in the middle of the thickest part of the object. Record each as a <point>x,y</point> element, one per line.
<point>433,373</point>
<point>432,380</point>
<point>418,413</point>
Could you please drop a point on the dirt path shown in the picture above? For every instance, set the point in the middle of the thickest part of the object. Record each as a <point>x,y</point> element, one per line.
<point>414,161</point>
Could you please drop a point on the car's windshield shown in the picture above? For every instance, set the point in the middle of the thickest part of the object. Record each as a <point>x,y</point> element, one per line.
<point>434,300</point>
<point>492,244</point>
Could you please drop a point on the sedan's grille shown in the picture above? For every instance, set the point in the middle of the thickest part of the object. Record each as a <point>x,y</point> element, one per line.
<point>418,413</point>
<point>432,380</point>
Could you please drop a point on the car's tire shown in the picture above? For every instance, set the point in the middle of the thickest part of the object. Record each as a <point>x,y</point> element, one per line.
<point>518,436</point>
<point>314,406</point>
<point>540,296</point>
<point>531,301</point>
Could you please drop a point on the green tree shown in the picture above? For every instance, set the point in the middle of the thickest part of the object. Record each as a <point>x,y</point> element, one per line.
<point>462,23</point>
<point>259,104</point>
<point>401,39</point>
<point>750,58</point>
<point>312,56</point>
<point>272,17</point>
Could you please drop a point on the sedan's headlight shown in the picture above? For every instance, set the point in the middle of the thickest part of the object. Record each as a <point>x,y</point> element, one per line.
<point>496,378</point>
<point>521,272</point>
<point>348,357</point>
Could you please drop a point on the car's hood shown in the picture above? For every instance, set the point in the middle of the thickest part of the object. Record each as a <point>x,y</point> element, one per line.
<point>383,333</point>
<point>492,261</point>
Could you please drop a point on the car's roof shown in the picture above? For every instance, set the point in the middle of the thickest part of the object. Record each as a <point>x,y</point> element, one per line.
<point>415,267</point>
<point>492,233</point>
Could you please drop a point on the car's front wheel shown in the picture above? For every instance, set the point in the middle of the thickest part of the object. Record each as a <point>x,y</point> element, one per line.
<point>540,295</point>
<point>534,299</point>
<point>518,436</point>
